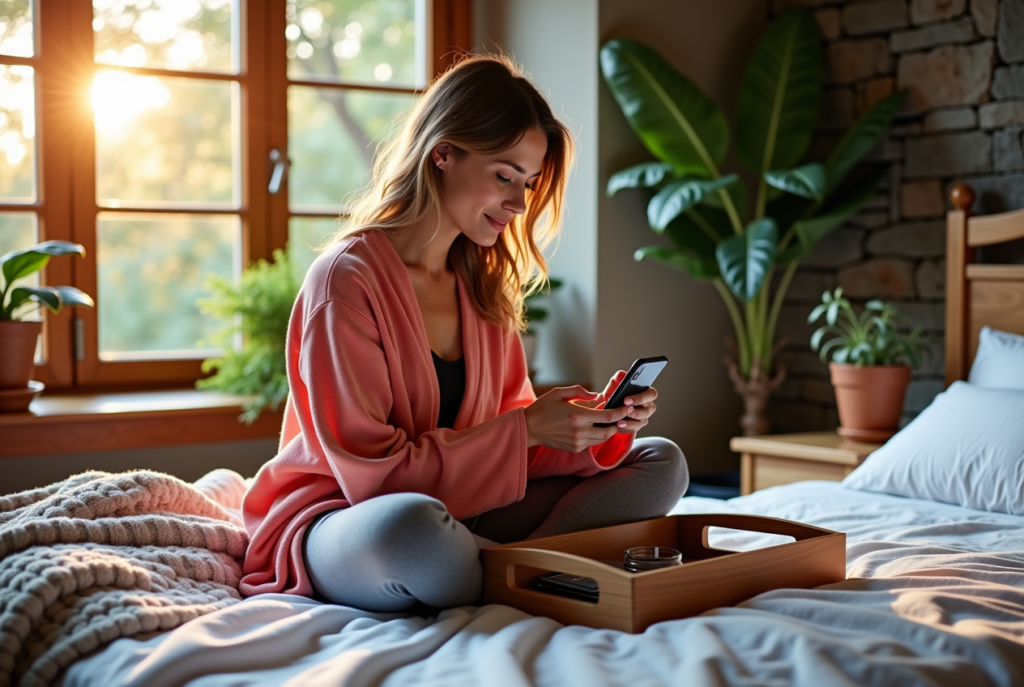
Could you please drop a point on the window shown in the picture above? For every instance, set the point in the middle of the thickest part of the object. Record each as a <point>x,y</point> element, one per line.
<point>179,138</point>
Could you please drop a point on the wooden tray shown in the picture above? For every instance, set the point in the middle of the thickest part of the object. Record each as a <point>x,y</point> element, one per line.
<point>709,578</point>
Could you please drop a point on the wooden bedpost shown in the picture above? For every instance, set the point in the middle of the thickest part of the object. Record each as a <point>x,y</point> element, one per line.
<point>957,255</point>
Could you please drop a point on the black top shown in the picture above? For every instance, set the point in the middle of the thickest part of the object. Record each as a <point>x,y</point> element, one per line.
<point>451,380</point>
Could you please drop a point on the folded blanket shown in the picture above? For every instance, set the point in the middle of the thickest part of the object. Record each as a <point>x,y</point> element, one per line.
<point>102,556</point>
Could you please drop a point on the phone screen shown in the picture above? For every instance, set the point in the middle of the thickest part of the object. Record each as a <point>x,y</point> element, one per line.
<point>640,377</point>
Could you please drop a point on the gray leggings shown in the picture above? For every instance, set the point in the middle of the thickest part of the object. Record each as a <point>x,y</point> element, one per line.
<point>392,551</point>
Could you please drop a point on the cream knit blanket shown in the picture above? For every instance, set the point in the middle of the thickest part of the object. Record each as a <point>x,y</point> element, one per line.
<point>102,556</point>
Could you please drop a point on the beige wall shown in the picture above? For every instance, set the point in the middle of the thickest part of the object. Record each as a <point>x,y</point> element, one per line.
<point>639,309</point>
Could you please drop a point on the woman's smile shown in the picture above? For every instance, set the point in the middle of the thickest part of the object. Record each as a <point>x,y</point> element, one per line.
<point>497,224</point>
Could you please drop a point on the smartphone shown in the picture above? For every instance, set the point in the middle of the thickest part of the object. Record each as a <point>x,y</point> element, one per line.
<point>564,584</point>
<point>640,377</point>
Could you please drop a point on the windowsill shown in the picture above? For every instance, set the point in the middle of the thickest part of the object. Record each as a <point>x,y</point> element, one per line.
<point>60,423</point>
<point>77,423</point>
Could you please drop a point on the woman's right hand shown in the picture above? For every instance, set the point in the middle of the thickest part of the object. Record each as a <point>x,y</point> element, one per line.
<point>554,421</point>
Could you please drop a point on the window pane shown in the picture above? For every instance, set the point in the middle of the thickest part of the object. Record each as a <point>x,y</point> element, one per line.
<point>151,269</point>
<point>332,134</point>
<point>362,41</point>
<point>17,31</point>
<point>189,35</point>
<point>305,236</point>
<point>17,134</point>
<point>161,141</point>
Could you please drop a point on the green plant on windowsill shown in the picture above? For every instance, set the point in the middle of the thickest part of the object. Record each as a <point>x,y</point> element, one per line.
<point>870,338</point>
<point>256,309</point>
<point>18,335</point>
<point>18,301</point>
<point>535,313</point>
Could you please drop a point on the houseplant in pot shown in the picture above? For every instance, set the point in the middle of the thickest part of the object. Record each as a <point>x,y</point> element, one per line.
<point>713,233</point>
<point>256,311</point>
<point>18,335</point>
<point>871,363</point>
<point>534,314</point>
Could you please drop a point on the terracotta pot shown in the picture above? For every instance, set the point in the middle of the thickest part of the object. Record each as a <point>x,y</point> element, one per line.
<point>17,352</point>
<point>870,399</point>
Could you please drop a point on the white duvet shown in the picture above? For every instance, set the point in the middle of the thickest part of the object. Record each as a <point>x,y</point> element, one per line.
<point>938,599</point>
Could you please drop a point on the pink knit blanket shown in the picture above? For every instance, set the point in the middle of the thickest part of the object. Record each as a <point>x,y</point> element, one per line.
<point>102,556</point>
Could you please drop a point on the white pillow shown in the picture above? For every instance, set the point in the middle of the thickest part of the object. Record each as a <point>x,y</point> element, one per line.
<point>966,448</point>
<point>999,363</point>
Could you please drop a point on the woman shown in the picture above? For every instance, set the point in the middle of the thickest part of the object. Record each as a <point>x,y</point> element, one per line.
<point>411,433</point>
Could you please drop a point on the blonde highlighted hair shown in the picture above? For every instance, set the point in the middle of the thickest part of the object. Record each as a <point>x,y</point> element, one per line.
<point>483,105</point>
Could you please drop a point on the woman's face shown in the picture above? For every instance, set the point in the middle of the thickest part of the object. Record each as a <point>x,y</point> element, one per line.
<point>481,193</point>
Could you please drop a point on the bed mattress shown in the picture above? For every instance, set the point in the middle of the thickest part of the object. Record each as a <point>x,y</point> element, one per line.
<point>936,597</point>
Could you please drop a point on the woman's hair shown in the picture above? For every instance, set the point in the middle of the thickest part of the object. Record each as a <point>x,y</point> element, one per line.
<point>483,105</point>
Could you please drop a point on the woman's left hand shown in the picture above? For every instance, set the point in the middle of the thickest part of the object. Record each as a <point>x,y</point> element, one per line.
<point>640,406</point>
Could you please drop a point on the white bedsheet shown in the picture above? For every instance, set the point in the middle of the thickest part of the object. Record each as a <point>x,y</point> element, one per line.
<point>943,604</point>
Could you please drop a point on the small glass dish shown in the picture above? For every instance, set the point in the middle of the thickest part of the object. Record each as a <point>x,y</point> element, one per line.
<point>641,558</point>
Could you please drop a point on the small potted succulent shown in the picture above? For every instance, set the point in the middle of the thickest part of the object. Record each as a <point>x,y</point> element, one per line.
<point>18,335</point>
<point>870,363</point>
<point>535,314</point>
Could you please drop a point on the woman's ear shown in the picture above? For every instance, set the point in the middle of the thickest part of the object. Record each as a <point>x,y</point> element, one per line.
<point>441,154</point>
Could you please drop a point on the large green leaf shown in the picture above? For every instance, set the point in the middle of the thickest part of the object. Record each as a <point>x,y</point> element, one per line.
<point>679,196</point>
<point>47,295</point>
<point>809,232</point>
<point>644,175</point>
<point>693,265</point>
<point>806,181</point>
<point>687,235</point>
<point>737,192</point>
<point>70,296</point>
<point>860,138</point>
<point>744,260</point>
<point>677,121</point>
<point>23,262</point>
<point>780,94</point>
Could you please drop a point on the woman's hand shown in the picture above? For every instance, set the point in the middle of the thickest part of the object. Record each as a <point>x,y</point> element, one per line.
<point>641,405</point>
<point>554,420</point>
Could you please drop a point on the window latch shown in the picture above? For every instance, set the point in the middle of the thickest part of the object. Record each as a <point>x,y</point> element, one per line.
<point>79,329</point>
<point>280,167</point>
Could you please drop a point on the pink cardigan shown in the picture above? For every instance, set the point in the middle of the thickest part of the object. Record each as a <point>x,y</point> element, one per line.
<point>361,418</point>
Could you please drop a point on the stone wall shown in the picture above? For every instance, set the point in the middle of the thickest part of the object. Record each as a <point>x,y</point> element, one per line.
<point>962,62</point>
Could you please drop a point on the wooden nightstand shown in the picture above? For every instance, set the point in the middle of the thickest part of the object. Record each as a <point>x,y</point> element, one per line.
<point>772,460</point>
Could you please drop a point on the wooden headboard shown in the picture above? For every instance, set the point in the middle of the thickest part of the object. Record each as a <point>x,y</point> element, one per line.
<point>978,294</point>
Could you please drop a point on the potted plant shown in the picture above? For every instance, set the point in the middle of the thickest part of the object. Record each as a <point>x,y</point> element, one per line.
<point>535,314</point>
<point>18,335</point>
<point>713,233</point>
<point>871,363</point>
<point>255,310</point>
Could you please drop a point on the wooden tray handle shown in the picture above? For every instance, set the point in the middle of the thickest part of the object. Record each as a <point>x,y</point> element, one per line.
<point>694,534</point>
<point>555,561</point>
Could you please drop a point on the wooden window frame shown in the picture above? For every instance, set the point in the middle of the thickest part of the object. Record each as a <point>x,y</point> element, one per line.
<point>65,144</point>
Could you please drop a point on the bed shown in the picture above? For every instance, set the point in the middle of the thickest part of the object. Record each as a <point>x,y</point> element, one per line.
<point>934,595</point>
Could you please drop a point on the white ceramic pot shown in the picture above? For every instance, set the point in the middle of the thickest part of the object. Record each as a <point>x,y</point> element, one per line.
<point>530,348</point>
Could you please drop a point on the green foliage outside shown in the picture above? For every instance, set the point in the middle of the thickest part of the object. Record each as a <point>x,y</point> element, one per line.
<point>257,309</point>
<point>168,142</point>
<point>868,339</point>
<point>714,233</point>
